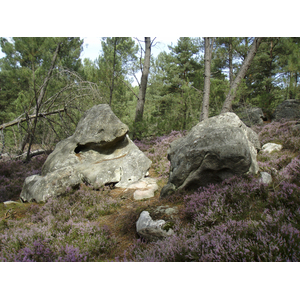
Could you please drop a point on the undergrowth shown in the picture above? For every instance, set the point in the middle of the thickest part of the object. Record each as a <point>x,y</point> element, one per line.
<point>240,219</point>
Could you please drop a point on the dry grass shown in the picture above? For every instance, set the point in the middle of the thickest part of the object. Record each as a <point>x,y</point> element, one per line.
<point>122,222</point>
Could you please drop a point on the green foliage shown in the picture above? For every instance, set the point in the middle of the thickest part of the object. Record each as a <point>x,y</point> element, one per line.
<point>174,93</point>
<point>175,86</point>
<point>23,71</point>
<point>117,59</point>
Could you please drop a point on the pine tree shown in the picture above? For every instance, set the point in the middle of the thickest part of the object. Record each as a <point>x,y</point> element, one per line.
<point>117,59</point>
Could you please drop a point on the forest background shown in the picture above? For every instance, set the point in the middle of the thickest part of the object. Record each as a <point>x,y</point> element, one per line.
<point>46,86</point>
<point>215,19</point>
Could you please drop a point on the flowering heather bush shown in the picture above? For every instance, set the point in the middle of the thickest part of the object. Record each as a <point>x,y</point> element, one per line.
<point>156,150</point>
<point>41,252</point>
<point>236,198</point>
<point>13,174</point>
<point>283,133</point>
<point>63,229</point>
<point>229,241</point>
<point>292,171</point>
<point>237,220</point>
<point>287,194</point>
<point>54,240</point>
<point>267,162</point>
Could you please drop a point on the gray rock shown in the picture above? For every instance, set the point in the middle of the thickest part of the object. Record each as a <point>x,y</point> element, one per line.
<point>166,210</point>
<point>40,188</point>
<point>145,188</point>
<point>271,147</point>
<point>151,230</point>
<point>4,157</point>
<point>98,153</point>
<point>251,116</point>
<point>214,150</point>
<point>265,178</point>
<point>288,109</point>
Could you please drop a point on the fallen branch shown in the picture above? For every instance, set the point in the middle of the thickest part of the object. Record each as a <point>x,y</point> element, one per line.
<point>9,214</point>
<point>33,153</point>
<point>40,115</point>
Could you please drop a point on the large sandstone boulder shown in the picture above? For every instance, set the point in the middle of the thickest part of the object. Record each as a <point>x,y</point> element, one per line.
<point>288,109</point>
<point>214,150</point>
<point>98,153</point>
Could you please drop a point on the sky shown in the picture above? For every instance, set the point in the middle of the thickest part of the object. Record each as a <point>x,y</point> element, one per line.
<point>92,46</point>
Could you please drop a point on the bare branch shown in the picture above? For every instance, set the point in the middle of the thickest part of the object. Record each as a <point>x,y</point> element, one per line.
<point>44,86</point>
<point>152,42</point>
<point>201,92</point>
<point>139,41</point>
<point>20,120</point>
<point>32,154</point>
<point>128,87</point>
<point>136,79</point>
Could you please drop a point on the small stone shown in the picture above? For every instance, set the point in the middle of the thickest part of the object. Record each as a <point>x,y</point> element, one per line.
<point>138,185</point>
<point>166,210</point>
<point>11,202</point>
<point>143,194</point>
<point>265,178</point>
<point>145,188</point>
<point>149,229</point>
<point>171,211</point>
<point>271,147</point>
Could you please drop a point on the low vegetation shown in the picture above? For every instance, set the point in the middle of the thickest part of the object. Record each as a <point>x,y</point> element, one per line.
<point>240,219</point>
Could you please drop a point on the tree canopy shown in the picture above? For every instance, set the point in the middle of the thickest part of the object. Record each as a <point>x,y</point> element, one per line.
<point>34,81</point>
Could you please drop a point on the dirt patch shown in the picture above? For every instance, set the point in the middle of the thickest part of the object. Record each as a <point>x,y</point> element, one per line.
<point>122,222</point>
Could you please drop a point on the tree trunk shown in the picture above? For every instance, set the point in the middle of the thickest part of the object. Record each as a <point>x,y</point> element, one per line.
<point>230,50</point>
<point>268,83</point>
<point>40,99</point>
<point>241,74</point>
<point>207,62</point>
<point>113,73</point>
<point>144,79</point>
